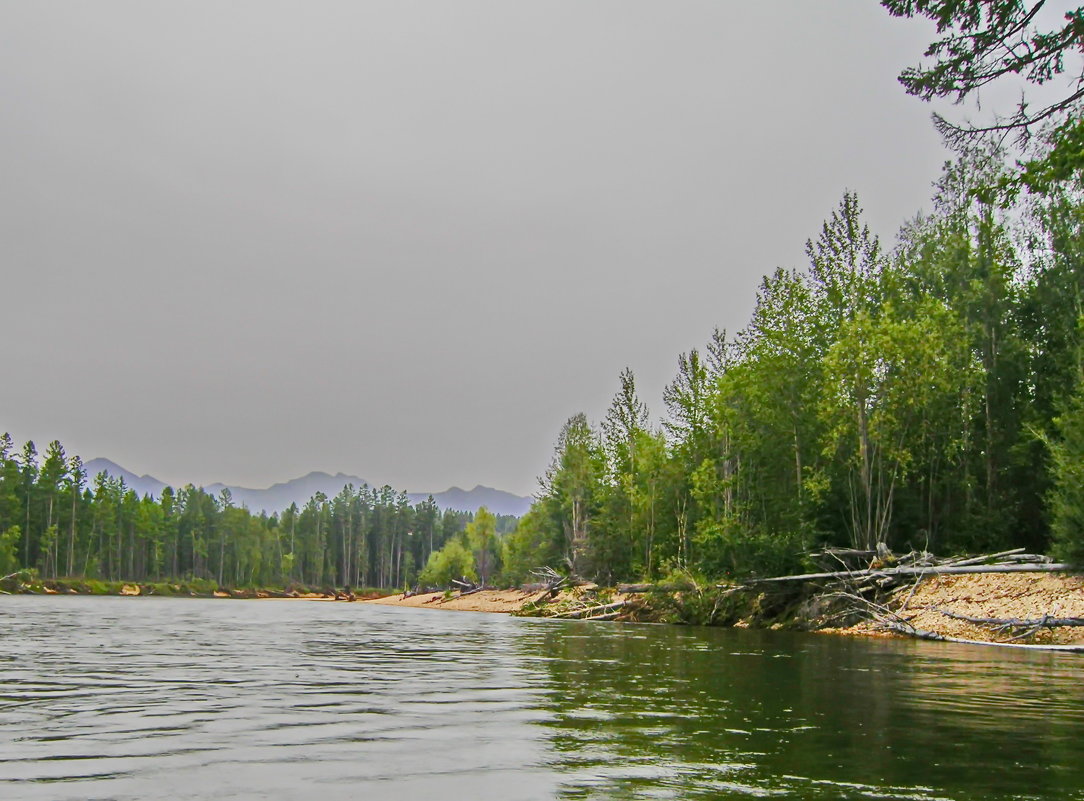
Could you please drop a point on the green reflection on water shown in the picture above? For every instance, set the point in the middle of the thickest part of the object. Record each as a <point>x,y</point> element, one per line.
<point>666,712</point>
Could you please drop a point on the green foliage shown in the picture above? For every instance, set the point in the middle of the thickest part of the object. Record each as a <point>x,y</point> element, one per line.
<point>106,532</point>
<point>9,543</point>
<point>888,381</point>
<point>574,482</point>
<point>536,542</point>
<point>1063,160</point>
<point>898,396</point>
<point>874,397</point>
<point>481,538</point>
<point>1067,495</point>
<point>453,561</point>
<point>985,41</point>
<point>730,552</point>
<point>96,587</point>
<point>685,598</point>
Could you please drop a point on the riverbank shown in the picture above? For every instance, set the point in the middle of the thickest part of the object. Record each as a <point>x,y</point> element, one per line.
<point>937,605</point>
<point>503,601</point>
<point>532,602</point>
<point>981,607</point>
<point>26,583</point>
<point>953,606</point>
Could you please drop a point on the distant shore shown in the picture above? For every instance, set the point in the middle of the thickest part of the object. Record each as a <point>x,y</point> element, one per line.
<point>25,582</point>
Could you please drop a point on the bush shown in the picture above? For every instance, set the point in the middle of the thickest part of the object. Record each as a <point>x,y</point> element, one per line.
<point>160,588</point>
<point>96,587</point>
<point>740,553</point>
<point>681,597</point>
<point>453,561</point>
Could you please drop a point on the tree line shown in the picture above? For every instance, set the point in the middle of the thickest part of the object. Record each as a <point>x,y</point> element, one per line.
<point>55,519</point>
<point>926,396</point>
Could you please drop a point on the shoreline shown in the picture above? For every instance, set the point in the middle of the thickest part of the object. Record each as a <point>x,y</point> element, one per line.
<point>495,601</point>
<point>965,607</point>
<point>936,605</point>
<point>25,583</point>
<point>940,604</point>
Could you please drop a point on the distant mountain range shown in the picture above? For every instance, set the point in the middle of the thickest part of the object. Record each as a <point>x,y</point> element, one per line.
<point>279,496</point>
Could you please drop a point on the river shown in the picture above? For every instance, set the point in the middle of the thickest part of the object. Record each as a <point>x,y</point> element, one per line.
<point>145,698</point>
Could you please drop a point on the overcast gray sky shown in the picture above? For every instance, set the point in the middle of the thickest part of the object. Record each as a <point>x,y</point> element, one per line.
<point>408,239</point>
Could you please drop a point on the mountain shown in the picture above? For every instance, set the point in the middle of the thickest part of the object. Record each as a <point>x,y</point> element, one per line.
<point>497,501</point>
<point>279,496</point>
<point>143,485</point>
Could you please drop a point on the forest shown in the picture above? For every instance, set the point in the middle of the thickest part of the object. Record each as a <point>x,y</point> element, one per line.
<point>923,393</point>
<point>55,520</point>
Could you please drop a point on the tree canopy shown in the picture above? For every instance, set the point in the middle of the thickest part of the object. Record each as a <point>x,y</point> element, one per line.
<point>982,42</point>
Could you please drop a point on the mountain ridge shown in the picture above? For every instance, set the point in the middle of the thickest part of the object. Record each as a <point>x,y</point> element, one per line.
<point>280,495</point>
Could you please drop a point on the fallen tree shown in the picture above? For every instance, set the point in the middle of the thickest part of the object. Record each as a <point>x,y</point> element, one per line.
<point>932,570</point>
<point>1019,627</point>
<point>877,587</point>
<point>592,612</point>
<point>905,628</point>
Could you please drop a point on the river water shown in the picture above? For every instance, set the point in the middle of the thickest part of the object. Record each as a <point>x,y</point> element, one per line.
<point>145,698</point>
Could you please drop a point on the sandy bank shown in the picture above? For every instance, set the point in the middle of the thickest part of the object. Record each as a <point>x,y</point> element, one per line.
<point>1020,596</point>
<point>482,601</point>
<point>1015,596</point>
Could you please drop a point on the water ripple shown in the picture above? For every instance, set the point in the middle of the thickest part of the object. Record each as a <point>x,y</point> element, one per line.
<point>173,698</point>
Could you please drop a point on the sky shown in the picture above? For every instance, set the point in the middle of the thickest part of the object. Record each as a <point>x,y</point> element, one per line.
<point>407,239</point>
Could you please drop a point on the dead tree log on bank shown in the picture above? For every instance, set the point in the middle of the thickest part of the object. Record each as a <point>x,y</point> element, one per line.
<point>881,592</point>
<point>903,627</point>
<point>591,612</point>
<point>1017,626</point>
<point>933,570</point>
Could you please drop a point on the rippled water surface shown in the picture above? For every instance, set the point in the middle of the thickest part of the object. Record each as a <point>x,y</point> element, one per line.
<point>144,698</point>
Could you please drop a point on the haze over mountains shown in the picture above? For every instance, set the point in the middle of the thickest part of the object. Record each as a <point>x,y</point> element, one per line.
<point>278,497</point>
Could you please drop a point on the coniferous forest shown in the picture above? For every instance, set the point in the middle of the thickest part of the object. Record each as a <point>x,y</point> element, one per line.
<point>924,392</point>
<point>56,520</point>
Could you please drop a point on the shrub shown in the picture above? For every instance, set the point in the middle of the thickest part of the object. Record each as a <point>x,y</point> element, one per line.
<point>450,562</point>
<point>733,552</point>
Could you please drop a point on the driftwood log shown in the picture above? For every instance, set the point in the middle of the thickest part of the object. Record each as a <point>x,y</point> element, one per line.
<point>592,612</point>
<point>904,628</point>
<point>1018,626</point>
<point>864,592</point>
<point>932,570</point>
<point>552,582</point>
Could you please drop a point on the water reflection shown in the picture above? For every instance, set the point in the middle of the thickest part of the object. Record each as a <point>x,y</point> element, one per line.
<point>166,698</point>
<point>693,713</point>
